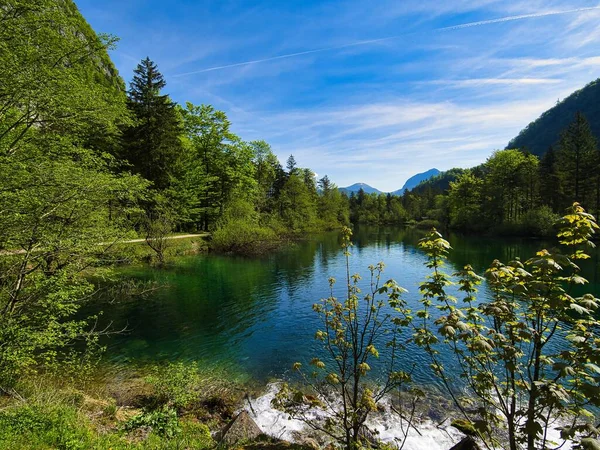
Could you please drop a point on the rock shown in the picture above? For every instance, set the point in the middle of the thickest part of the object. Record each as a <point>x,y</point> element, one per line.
<point>464,426</point>
<point>467,443</point>
<point>243,427</point>
<point>309,443</point>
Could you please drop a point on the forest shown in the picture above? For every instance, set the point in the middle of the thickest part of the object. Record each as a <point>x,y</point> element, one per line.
<point>513,192</point>
<point>88,162</point>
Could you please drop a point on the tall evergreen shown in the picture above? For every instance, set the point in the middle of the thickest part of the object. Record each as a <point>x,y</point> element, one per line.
<point>153,143</point>
<point>577,159</point>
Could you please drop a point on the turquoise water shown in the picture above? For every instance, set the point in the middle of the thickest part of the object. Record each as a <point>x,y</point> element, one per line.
<point>255,317</point>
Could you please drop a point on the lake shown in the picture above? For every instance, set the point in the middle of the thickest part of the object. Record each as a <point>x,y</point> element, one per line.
<point>254,317</point>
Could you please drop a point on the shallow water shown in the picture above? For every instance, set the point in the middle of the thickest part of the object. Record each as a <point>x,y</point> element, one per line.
<point>254,316</point>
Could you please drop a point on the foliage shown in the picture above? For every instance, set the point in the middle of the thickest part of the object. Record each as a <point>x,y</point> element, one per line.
<point>62,425</point>
<point>377,208</point>
<point>577,158</point>
<point>62,204</point>
<point>528,356</point>
<point>162,421</point>
<point>539,221</point>
<point>544,132</point>
<point>152,143</point>
<point>175,384</point>
<point>353,329</point>
<point>464,199</point>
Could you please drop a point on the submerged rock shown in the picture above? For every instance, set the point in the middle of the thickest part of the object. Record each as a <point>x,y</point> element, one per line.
<point>242,427</point>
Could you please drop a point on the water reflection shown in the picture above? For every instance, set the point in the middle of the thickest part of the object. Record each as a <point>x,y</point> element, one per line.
<point>256,315</point>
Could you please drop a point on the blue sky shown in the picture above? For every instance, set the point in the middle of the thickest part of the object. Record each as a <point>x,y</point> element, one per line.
<point>439,84</point>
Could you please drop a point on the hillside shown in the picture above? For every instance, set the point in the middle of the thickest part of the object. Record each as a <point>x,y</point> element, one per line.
<point>544,132</point>
<point>417,179</point>
<point>438,183</point>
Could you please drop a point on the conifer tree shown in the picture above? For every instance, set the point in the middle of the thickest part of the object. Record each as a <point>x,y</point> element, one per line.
<point>153,144</point>
<point>577,159</point>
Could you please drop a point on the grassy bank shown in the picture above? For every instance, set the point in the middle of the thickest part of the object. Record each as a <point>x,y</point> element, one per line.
<point>174,406</point>
<point>137,252</point>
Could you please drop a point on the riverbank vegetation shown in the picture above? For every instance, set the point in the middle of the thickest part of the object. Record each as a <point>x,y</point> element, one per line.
<point>87,164</point>
<point>513,193</point>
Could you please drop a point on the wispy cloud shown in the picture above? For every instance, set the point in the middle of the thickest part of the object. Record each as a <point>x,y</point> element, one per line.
<point>437,84</point>
<point>388,38</point>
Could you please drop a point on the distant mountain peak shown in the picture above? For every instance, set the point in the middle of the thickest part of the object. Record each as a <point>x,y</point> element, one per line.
<point>414,181</point>
<point>358,186</point>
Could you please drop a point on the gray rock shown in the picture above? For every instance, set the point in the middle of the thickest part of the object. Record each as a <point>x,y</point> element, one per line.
<point>243,427</point>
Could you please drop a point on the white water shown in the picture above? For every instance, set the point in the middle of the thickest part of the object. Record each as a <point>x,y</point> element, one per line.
<point>387,425</point>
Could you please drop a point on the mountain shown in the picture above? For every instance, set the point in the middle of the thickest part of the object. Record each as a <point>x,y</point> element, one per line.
<point>357,187</point>
<point>544,132</point>
<point>415,180</point>
<point>438,183</point>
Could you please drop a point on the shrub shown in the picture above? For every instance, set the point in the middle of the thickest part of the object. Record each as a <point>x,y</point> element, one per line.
<point>242,237</point>
<point>175,384</point>
<point>529,355</point>
<point>353,329</point>
<point>163,422</point>
<point>539,221</point>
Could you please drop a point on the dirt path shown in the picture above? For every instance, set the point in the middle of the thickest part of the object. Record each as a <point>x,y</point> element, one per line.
<point>179,236</point>
<point>130,241</point>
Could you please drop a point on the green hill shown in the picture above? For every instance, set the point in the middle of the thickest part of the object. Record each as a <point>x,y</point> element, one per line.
<point>544,132</point>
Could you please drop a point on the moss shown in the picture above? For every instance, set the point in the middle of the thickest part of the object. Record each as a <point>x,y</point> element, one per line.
<point>464,426</point>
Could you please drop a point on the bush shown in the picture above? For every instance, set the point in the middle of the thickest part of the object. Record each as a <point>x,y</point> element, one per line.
<point>175,384</point>
<point>539,221</point>
<point>245,238</point>
<point>163,422</point>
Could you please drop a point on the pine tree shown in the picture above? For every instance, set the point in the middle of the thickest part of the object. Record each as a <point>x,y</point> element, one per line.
<point>291,165</point>
<point>152,145</point>
<point>577,160</point>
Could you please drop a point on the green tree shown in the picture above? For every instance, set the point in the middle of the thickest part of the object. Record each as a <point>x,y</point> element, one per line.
<point>219,164</point>
<point>529,355</point>
<point>508,187</point>
<point>550,182</point>
<point>464,198</point>
<point>352,330</point>
<point>297,205</point>
<point>153,143</point>
<point>62,201</point>
<point>332,208</point>
<point>290,165</point>
<point>267,172</point>
<point>578,160</point>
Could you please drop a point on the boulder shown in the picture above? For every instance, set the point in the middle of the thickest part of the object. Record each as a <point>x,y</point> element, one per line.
<point>467,443</point>
<point>243,427</point>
